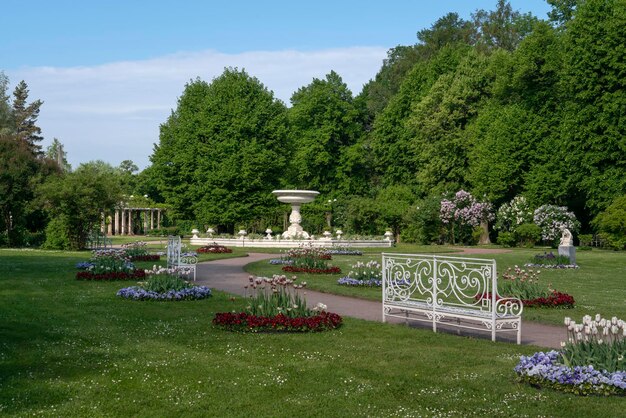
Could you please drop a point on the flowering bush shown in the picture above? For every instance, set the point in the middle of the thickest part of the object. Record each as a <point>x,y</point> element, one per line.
<point>276,305</point>
<point>544,369</point>
<point>214,249</point>
<point>165,284</point>
<point>364,274</point>
<point>511,215</point>
<point>590,362</point>
<point>308,253</point>
<point>552,219</point>
<point>463,213</point>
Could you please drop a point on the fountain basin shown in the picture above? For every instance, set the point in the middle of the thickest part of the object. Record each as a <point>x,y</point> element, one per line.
<point>295,196</point>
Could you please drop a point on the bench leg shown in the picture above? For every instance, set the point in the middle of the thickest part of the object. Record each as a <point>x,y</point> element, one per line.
<point>406,318</point>
<point>519,332</point>
<point>493,332</point>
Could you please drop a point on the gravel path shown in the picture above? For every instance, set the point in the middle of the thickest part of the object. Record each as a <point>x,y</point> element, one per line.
<point>228,275</point>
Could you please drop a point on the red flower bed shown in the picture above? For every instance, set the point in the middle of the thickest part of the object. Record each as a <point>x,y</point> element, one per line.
<point>555,300</point>
<point>295,269</point>
<point>245,322</point>
<point>214,249</point>
<point>115,275</point>
<point>145,257</point>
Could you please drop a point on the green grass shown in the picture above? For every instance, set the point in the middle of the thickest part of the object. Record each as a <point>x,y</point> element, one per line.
<point>598,286</point>
<point>72,348</point>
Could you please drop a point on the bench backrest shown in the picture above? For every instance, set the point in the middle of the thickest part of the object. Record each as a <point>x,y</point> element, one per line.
<point>174,246</point>
<point>466,283</point>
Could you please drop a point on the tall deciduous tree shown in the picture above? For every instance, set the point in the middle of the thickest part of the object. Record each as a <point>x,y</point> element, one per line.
<point>594,127</point>
<point>325,123</point>
<point>222,151</point>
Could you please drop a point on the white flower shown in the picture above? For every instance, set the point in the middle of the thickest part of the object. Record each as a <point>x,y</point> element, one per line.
<point>567,320</point>
<point>598,317</point>
<point>320,306</point>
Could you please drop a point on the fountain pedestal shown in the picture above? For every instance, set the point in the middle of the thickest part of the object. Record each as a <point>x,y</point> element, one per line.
<point>296,198</point>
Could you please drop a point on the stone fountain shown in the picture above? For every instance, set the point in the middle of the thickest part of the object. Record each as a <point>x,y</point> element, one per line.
<point>296,198</point>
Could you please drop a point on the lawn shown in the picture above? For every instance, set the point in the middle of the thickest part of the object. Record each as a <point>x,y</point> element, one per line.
<point>598,286</point>
<point>72,348</point>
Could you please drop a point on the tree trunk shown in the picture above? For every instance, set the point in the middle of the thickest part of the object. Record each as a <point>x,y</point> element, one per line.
<point>484,235</point>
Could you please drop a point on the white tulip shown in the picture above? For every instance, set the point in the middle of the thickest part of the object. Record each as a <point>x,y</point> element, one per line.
<point>567,320</point>
<point>598,317</point>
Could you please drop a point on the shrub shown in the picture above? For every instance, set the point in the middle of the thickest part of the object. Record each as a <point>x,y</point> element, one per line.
<point>611,223</point>
<point>585,240</point>
<point>506,239</point>
<point>422,222</point>
<point>462,214</point>
<point>165,284</point>
<point>552,219</point>
<point>510,215</point>
<point>56,235</point>
<point>528,234</point>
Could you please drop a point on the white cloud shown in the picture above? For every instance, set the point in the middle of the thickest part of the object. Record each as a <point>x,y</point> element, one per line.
<point>112,112</point>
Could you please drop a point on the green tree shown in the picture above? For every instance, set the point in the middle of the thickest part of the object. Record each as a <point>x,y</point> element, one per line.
<point>593,130</point>
<point>18,168</point>
<point>501,28</point>
<point>325,123</point>
<point>222,151</point>
<point>77,200</point>
<point>6,117</point>
<point>56,153</point>
<point>25,118</point>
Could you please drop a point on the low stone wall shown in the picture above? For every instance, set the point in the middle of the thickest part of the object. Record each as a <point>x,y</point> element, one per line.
<point>288,243</point>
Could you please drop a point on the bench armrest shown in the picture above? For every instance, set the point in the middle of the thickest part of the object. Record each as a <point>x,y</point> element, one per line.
<point>509,307</point>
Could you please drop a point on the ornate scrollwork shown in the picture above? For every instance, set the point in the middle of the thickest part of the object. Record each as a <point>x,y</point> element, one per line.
<point>508,307</point>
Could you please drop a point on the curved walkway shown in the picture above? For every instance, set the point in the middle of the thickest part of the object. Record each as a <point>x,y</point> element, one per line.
<point>228,275</point>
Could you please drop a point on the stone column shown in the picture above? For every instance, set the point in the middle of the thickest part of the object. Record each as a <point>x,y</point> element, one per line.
<point>123,213</point>
<point>130,222</point>
<point>151,219</point>
<point>145,222</point>
<point>158,218</point>
<point>116,220</point>
<point>110,226</point>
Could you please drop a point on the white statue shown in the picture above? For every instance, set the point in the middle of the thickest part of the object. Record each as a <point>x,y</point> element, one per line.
<point>566,238</point>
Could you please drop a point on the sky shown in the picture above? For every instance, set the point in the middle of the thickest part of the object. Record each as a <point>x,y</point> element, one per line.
<point>110,72</point>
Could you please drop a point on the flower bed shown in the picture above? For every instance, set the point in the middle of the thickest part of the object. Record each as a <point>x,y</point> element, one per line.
<point>139,293</point>
<point>543,369</point>
<point>113,275</point>
<point>349,281</point>
<point>214,249</point>
<point>278,261</point>
<point>276,305</point>
<point>145,257</point>
<point>343,251</point>
<point>311,270</point>
<point>554,300</point>
<point>552,266</point>
<point>363,274</point>
<point>165,284</point>
<point>591,362</point>
<point>550,261</point>
<point>245,322</point>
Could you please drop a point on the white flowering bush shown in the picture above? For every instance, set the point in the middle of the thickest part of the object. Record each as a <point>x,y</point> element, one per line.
<point>552,219</point>
<point>512,214</point>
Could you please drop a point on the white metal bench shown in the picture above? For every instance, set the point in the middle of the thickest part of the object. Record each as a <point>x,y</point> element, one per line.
<point>457,291</point>
<point>179,260</point>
